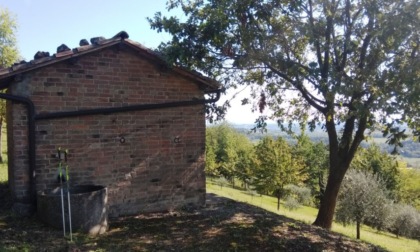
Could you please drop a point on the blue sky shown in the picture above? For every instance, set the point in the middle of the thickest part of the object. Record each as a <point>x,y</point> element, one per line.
<point>43,25</point>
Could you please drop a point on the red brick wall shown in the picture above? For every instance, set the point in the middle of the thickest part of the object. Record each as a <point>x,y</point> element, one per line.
<point>149,171</point>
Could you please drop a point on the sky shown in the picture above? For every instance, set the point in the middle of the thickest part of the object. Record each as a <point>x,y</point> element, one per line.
<point>43,25</point>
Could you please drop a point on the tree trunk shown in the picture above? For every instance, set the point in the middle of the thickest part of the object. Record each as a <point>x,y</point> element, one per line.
<point>278,203</point>
<point>328,201</point>
<point>358,229</point>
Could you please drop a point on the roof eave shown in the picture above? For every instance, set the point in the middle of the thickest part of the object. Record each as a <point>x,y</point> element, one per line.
<point>6,79</point>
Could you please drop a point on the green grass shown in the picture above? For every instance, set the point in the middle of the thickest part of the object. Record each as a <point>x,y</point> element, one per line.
<point>3,173</point>
<point>308,215</point>
<point>3,166</point>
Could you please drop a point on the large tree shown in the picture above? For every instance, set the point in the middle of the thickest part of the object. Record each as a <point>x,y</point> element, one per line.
<point>276,168</point>
<point>8,54</point>
<point>228,153</point>
<point>347,65</point>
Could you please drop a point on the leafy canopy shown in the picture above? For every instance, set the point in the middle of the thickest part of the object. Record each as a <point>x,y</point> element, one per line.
<point>350,61</point>
<point>276,167</point>
<point>350,66</point>
<point>373,160</point>
<point>8,50</point>
<point>363,197</point>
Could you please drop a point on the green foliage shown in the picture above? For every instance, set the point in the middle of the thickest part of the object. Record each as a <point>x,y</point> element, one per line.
<point>3,173</point>
<point>315,161</point>
<point>354,63</point>
<point>405,220</point>
<point>345,59</point>
<point>379,163</point>
<point>300,193</point>
<point>8,50</point>
<point>276,167</point>
<point>291,203</point>
<point>8,54</point>
<point>297,196</point>
<point>221,181</point>
<point>228,153</point>
<point>307,214</point>
<point>362,196</point>
<point>410,187</point>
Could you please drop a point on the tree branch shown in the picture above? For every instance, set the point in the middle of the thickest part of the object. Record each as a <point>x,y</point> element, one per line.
<point>365,45</point>
<point>315,34</point>
<point>359,136</point>
<point>313,101</point>
<point>328,32</point>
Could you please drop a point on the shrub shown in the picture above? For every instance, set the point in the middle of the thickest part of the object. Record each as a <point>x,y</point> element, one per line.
<point>291,203</point>
<point>405,220</point>
<point>362,199</point>
<point>301,194</point>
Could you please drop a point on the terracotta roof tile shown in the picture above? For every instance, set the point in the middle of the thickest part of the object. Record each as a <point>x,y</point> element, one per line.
<point>63,53</point>
<point>82,48</point>
<point>43,58</point>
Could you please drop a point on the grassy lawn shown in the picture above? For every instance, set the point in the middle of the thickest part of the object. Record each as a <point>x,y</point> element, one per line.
<point>308,215</point>
<point>3,173</point>
<point>3,166</point>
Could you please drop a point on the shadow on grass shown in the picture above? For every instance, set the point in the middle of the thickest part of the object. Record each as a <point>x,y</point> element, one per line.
<point>223,225</point>
<point>5,198</point>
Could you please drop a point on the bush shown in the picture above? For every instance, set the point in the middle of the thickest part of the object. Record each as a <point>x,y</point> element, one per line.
<point>221,181</point>
<point>301,194</point>
<point>362,199</point>
<point>405,220</point>
<point>380,218</point>
<point>291,203</point>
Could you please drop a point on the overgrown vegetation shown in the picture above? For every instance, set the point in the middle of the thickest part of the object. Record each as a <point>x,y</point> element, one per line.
<point>296,172</point>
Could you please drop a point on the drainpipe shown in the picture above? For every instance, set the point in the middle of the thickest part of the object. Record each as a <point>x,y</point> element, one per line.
<point>31,137</point>
<point>138,107</point>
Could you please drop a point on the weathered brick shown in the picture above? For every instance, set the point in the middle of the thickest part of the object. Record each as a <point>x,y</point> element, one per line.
<point>147,171</point>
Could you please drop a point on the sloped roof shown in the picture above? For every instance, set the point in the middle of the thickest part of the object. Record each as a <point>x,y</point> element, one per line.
<point>42,59</point>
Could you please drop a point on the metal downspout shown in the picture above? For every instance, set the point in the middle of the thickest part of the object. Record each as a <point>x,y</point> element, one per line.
<point>138,107</point>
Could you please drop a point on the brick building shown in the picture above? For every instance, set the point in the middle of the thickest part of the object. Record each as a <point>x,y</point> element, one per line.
<point>129,122</point>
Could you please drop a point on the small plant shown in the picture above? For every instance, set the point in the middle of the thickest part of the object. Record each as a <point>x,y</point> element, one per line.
<point>297,196</point>
<point>221,181</point>
<point>291,203</point>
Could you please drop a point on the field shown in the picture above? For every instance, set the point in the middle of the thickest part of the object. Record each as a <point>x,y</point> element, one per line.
<point>308,214</point>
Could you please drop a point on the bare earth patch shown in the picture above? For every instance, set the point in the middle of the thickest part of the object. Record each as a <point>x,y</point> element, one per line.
<point>223,225</point>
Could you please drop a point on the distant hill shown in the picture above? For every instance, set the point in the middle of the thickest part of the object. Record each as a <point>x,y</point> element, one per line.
<point>409,153</point>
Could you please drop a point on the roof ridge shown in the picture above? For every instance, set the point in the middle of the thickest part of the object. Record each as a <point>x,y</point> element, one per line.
<point>42,58</point>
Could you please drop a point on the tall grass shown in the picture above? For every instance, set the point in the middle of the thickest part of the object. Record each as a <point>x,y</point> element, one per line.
<point>308,215</point>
